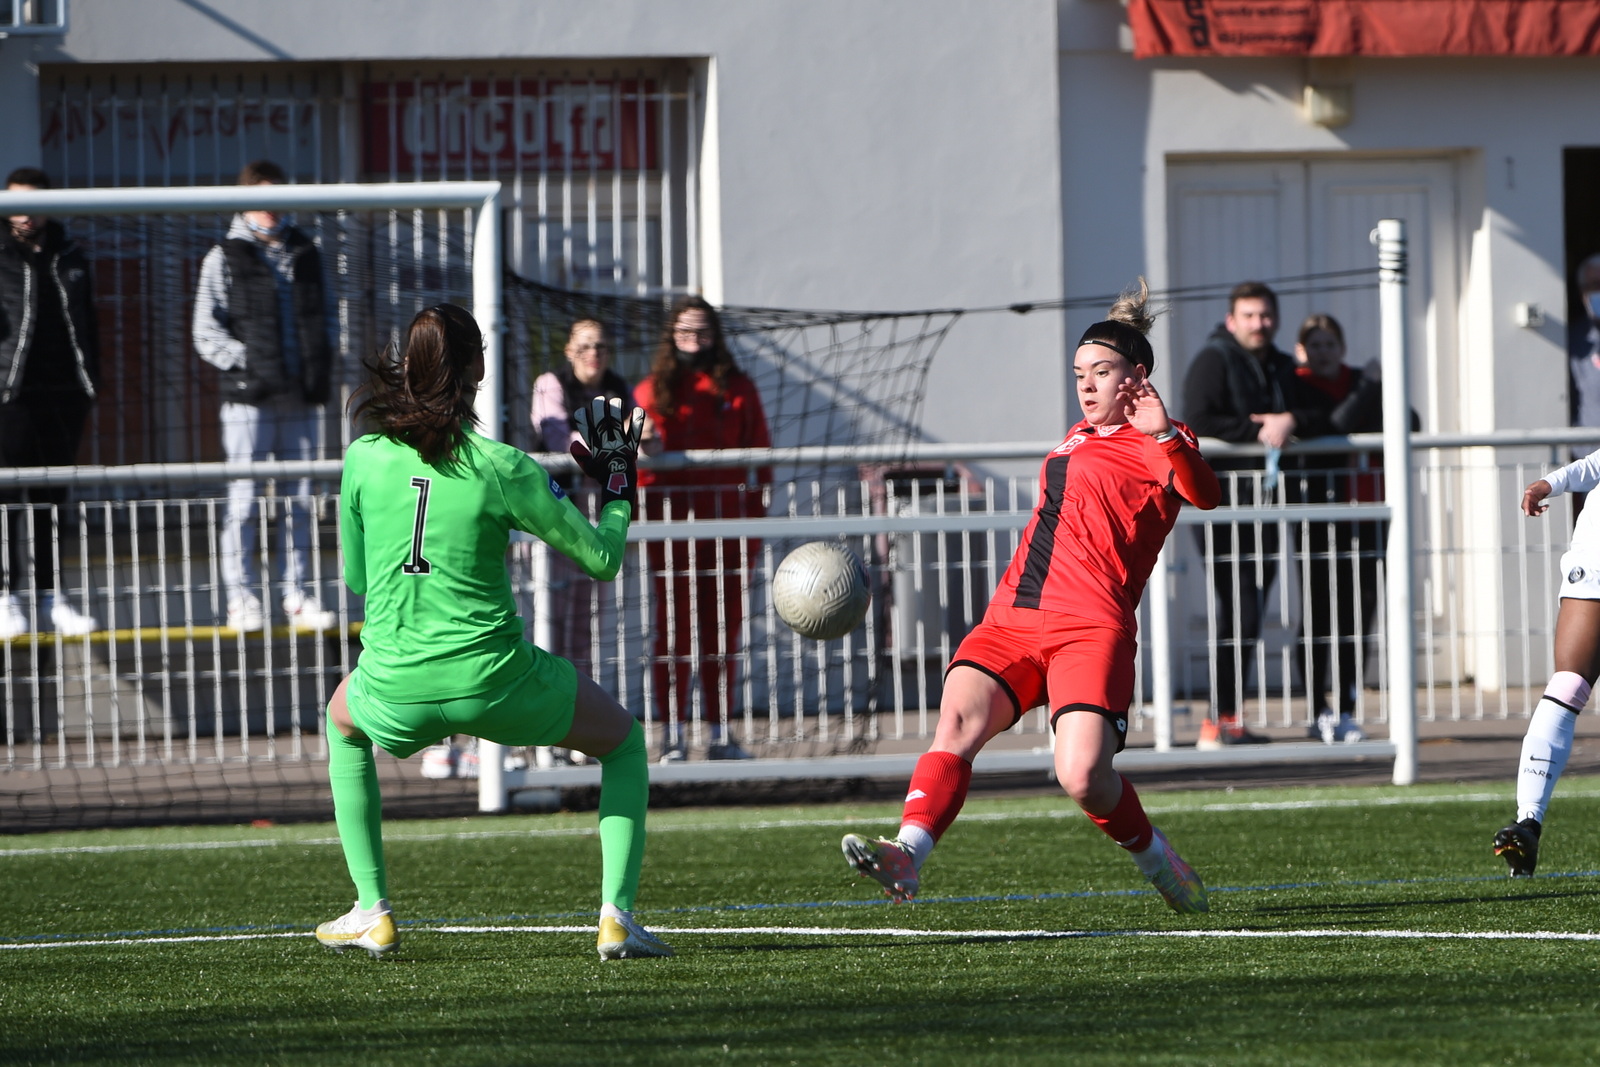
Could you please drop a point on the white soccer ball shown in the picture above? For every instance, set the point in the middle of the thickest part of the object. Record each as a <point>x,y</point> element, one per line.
<point>820,590</point>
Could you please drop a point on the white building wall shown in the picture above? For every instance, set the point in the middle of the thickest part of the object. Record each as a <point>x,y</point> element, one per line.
<point>1502,123</point>
<point>1505,122</point>
<point>868,155</point>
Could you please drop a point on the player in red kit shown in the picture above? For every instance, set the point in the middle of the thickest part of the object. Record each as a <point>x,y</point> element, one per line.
<point>1060,629</point>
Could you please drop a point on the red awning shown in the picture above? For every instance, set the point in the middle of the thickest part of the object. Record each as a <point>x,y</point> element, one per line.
<point>1365,27</point>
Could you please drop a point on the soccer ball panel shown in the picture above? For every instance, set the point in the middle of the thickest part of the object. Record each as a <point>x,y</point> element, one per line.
<point>820,590</point>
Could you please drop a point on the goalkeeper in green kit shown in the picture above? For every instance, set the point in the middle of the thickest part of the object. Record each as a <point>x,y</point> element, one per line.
<point>426,510</point>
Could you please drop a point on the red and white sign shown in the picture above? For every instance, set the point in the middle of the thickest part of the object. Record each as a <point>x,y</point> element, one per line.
<point>1364,27</point>
<point>533,123</point>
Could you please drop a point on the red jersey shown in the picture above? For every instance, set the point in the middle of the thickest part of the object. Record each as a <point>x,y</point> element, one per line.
<point>1364,485</point>
<point>1102,518</point>
<point>701,417</point>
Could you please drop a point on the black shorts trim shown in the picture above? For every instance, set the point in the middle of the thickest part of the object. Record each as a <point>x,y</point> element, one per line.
<point>1016,705</point>
<point>1118,720</point>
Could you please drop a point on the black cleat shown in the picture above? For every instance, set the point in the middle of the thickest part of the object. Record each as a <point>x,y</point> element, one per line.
<point>1518,845</point>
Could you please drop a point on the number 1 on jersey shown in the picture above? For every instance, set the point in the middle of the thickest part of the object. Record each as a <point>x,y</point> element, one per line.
<point>417,564</point>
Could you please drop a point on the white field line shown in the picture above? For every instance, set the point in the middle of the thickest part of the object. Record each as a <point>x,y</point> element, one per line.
<point>890,931</point>
<point>396,832</point>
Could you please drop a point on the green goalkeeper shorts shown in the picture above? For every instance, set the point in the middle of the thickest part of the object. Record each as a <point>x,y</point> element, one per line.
<point>535,709</point>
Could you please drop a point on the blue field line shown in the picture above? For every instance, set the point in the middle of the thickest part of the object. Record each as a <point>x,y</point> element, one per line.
<point>706,909</point>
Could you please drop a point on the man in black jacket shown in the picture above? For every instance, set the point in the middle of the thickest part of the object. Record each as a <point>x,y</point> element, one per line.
<point>1241,388</point>
<point>262,318</point>
<point>49,375</point>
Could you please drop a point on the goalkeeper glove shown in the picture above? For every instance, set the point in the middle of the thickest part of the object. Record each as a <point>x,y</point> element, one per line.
<point>608,450</point>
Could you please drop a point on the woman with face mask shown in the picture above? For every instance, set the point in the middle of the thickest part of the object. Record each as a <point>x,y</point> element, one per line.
<point>1060,629</point>
<point>696,397</point>
<point>1341,558</point>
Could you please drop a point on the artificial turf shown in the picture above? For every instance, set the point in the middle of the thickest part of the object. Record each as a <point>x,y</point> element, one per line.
<point>1052,951</point>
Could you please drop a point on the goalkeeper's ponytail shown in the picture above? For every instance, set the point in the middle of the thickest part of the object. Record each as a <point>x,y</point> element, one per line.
<point>423,393</point>
<point>1124,327</point>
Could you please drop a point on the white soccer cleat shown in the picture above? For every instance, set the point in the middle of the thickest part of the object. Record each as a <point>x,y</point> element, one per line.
<point>13,620</point>
<point>245,614</point>
<point>307,613</point>
<point>68,620</point>
<point>369,928</point>
<point>885,862</point>
<point>622,938</point>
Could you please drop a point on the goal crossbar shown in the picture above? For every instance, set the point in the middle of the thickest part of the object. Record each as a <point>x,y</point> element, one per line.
<point>483,196</point>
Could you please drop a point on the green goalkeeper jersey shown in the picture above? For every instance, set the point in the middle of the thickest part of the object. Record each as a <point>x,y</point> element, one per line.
<point>426,545</point>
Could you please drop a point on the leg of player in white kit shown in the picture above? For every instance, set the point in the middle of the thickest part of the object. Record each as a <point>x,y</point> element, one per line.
<point>1548,742</point>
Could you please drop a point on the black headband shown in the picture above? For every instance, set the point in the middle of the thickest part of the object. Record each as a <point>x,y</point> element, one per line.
<point>1106,344</point>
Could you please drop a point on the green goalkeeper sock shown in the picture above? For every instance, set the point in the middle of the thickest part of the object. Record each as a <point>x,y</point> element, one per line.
<point>624,795</point>
<point>358,812</point>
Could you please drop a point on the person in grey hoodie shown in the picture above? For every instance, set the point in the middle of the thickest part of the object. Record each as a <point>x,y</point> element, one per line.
<point>49,376</point>
<point>263,318</point>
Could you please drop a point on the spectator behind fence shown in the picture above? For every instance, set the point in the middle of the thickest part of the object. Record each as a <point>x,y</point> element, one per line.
<point>263,318</point>
<point>49,376</point>
<point>1341,558</point>
<point>557,397</point>
<point>1242,388</point>
<point>696,397</point>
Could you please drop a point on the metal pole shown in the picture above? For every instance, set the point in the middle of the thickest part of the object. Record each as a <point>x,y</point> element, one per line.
<point>1161,652</point>
<point>1390,237</point>
<point>486,308</point>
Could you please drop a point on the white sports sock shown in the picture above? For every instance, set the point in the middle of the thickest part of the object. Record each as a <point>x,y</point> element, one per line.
<point>1153,858</point>
<point>1545,749</point>
<point>917,842</point>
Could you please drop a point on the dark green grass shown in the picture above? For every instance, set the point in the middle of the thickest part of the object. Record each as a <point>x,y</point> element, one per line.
<point>1351,862</point>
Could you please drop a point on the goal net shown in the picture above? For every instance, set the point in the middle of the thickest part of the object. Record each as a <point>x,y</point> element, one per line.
<point>163,713</point>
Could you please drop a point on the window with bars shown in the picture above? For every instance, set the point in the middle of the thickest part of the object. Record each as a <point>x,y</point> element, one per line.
<point>599,162</point>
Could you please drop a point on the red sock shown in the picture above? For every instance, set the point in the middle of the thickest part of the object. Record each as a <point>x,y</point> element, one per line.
<point>937,792</point>
<point>1126,824</point>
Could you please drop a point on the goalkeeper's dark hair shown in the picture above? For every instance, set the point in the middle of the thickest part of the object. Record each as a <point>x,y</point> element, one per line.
<point>1124,328</point>
<point>421,394</point>
<point>715,359</point>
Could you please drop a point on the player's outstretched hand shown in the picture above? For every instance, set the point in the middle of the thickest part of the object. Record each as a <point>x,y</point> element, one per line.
<point>1533,504</point>
<point>1147,413</point>
<point>608,449</point>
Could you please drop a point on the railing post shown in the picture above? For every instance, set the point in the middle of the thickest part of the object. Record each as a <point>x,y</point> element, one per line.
<point>486,308</point>
<point>1390,237</point>
<point>1161,651</point>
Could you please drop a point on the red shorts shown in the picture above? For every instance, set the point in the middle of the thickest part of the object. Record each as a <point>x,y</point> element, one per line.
<point>1076,664</point>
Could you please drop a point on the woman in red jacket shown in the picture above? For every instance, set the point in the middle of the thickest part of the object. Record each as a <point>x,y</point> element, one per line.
<point>696,397</point>
<point>1060,628</point>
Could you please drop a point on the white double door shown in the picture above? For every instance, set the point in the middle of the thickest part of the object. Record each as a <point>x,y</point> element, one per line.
<point>1303,225</point>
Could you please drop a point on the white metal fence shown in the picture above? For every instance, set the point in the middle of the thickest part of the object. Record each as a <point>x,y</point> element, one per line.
<point>164,684</point>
